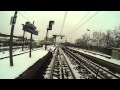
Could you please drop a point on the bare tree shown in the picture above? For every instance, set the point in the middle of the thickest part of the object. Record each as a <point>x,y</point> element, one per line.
<point>101,40</point>
<point>109,39</point>
<point>97,39</point>
<point>116,33</point>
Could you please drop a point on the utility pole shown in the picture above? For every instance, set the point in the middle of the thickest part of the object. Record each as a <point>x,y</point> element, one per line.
<point>66,41</point>
<point>31,43</point>
<point>23,40</point>
<point>13,21</point>
<point>46,40</point>
<point>89,40</point>
<point>54,36</point>
<point>55,41</point>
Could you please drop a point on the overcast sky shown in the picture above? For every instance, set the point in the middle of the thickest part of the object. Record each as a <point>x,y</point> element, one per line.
<point>103,21</point>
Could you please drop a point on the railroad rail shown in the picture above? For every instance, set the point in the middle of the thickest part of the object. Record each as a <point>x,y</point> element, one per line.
<point>92,69</point>
<point>109,65</point>
<point>59,68</point>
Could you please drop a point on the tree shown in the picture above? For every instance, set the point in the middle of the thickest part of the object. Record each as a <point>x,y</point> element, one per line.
<point>109,39</point>
<point>97,38</point>
<point>116,33</point>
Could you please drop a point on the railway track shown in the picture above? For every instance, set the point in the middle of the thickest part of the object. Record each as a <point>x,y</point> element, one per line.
<point>59,67</point>
<point>62,66</point>
<point>91,70</point>
<point>67,64</point>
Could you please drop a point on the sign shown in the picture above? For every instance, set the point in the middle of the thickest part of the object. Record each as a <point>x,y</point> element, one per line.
<point>30,28</point>
<point>13,20</point>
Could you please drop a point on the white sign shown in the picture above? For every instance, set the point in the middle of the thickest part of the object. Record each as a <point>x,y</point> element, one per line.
<point>13,20</point>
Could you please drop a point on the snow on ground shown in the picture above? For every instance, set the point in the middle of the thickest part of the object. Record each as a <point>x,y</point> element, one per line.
<point>21,64</point>
<point>8,47</point>
<point>15,51</point>
<point>18,51</point>
<point>93,52</point>
<point>115,61</point>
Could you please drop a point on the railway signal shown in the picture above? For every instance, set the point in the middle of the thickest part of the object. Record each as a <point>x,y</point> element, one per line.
<point>49,28</point>
<point>13,20</point>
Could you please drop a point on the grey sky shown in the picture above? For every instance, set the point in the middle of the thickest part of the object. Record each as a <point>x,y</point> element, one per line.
<point>102,21</point>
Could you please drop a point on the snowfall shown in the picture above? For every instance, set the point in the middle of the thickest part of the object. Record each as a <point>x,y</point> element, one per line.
<point>21,62</point>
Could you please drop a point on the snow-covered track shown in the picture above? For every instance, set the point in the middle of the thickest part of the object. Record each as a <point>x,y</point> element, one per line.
<point>59,67</point>
<point>97,71</point>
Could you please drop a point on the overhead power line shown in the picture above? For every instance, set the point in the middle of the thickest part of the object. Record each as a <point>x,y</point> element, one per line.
<point>32,20</point>
<point>63,22</point>
<point>28,15</point>
<point>35,21</point>
<point>23,16</point>
<point>84,23</point>
<point>80,20</point>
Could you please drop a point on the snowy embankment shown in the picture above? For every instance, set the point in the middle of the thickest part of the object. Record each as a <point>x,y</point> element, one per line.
<point>111,60</point>
<point>21,64</point>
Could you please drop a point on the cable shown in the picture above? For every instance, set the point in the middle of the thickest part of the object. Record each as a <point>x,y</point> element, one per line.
<point>31,18</point>
<point>84,23</point>
<point>36,22</point>
<point>23,16</point>
<point>41,29</point>
<point>80,21</point>
<point>63,21</point>
<point>28,15</point>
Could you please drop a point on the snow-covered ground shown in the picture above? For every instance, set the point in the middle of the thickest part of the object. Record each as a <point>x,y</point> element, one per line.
<point>93,52</point>
<point>8,47</point>
<point>16,51</point>
<point>115,61</point>
<point>6,53</point>
<point>21,64</point>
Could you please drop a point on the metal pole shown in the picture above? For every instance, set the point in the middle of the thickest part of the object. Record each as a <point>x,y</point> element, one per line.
<point>46,39</point>
<point>55,40</point>
<point>31,43</point>
<point>66,41</point>
<point>11,41</point>
<point>89,33</point>
<point>89,39</point>
<point>23,40</point>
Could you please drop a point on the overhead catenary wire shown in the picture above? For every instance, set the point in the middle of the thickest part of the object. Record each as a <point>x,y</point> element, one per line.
<point>84,23</point>
<point>33,20</point>
<point>23,16</point>
<point>80,21</point>
<point>28,15</point>
<point>63,22</point>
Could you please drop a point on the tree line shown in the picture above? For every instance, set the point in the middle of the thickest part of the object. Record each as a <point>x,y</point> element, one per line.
<point>99,40</point>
